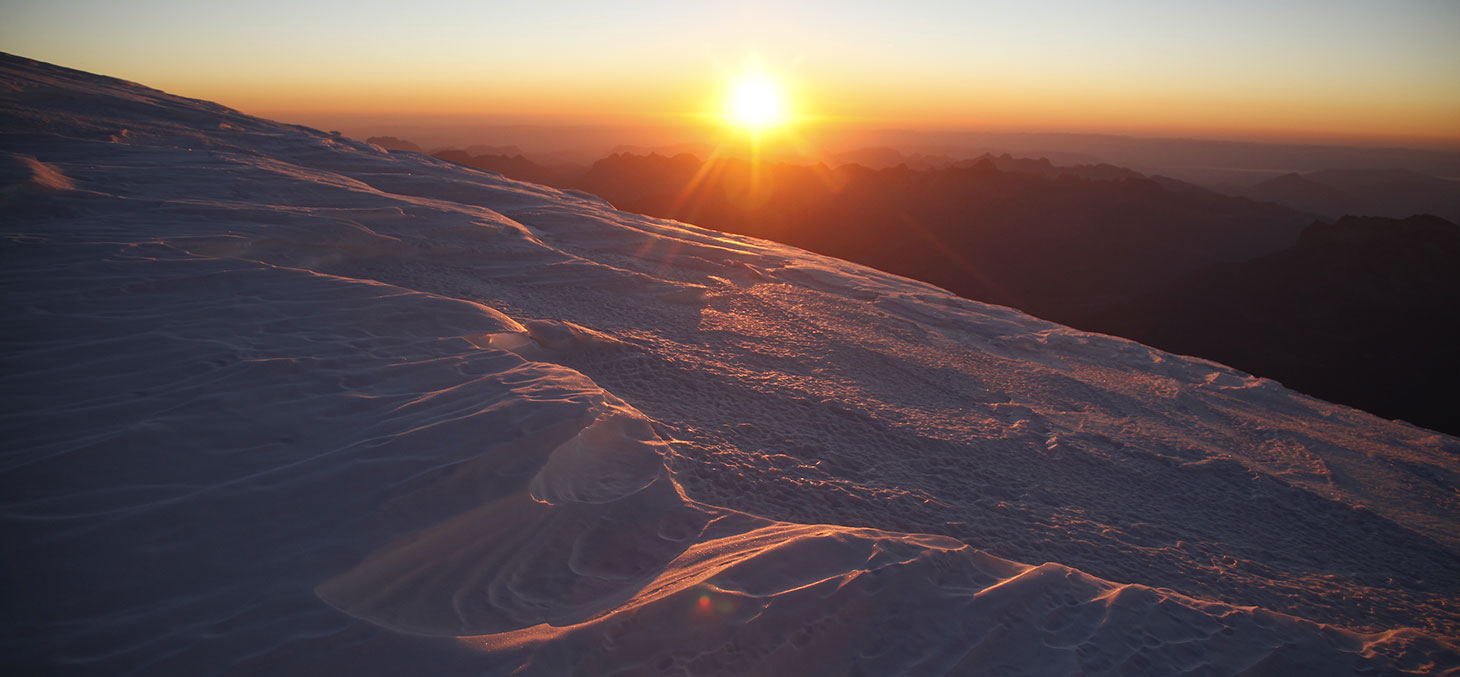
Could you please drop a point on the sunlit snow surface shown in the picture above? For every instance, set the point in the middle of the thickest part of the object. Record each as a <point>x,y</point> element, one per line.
<point>281,402</point>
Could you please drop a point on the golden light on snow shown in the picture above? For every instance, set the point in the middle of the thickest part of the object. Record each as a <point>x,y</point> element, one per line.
<point>757,102</point>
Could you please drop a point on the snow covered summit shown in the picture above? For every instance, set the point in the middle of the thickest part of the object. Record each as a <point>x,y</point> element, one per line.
<point>277,401</point>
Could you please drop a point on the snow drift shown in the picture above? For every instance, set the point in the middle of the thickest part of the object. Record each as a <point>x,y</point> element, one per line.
<point>278,401</point>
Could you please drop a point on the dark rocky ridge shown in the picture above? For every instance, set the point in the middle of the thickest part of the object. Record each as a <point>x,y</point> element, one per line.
<point>1360,311</point>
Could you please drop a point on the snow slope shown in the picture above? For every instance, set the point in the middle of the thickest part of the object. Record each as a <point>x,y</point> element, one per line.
<point>282,402</point>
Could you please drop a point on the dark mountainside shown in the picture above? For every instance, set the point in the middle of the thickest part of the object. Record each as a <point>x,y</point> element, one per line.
<point>1094,246</point>
<point>1394,193</point>
<point>1049,240</point>
<point>1059,246</point>
<point>1361,311</point>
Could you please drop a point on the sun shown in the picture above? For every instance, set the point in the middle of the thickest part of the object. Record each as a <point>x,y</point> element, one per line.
<point>757,102</point>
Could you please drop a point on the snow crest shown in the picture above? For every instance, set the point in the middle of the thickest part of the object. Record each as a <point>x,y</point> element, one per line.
<point>281,402</point>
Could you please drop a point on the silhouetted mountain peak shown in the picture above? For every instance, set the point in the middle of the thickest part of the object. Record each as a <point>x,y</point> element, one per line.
<point>984,165</point>
<point>652,158</point>
<point>1366,234</point>
<point>1043,167</point>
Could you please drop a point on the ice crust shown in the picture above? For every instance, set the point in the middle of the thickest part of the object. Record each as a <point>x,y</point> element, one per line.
<point>281,402</point>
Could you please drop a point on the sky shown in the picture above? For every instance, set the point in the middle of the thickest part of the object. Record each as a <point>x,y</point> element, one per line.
<point>1298,69</point>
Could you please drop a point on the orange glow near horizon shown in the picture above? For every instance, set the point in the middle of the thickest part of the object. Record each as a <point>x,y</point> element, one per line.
<point>833,95</point>
<point>764,105</point>
<point>756,99</point>
<point>1301,71</point>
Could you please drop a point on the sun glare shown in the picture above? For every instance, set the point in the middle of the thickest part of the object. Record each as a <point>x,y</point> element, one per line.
<point>756,103</point>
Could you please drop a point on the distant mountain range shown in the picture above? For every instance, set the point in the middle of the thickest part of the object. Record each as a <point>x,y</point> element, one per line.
<point>1026,235</point>
<point>1394,193</point>
<point>1107,248</point>
<point>1202,161</point>
<point>1061,242</point>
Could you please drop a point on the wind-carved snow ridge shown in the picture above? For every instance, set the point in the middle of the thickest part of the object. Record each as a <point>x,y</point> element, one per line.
<point>280,402</point>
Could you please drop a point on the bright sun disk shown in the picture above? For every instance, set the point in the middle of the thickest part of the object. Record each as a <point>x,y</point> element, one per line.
<point>757,102</point>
